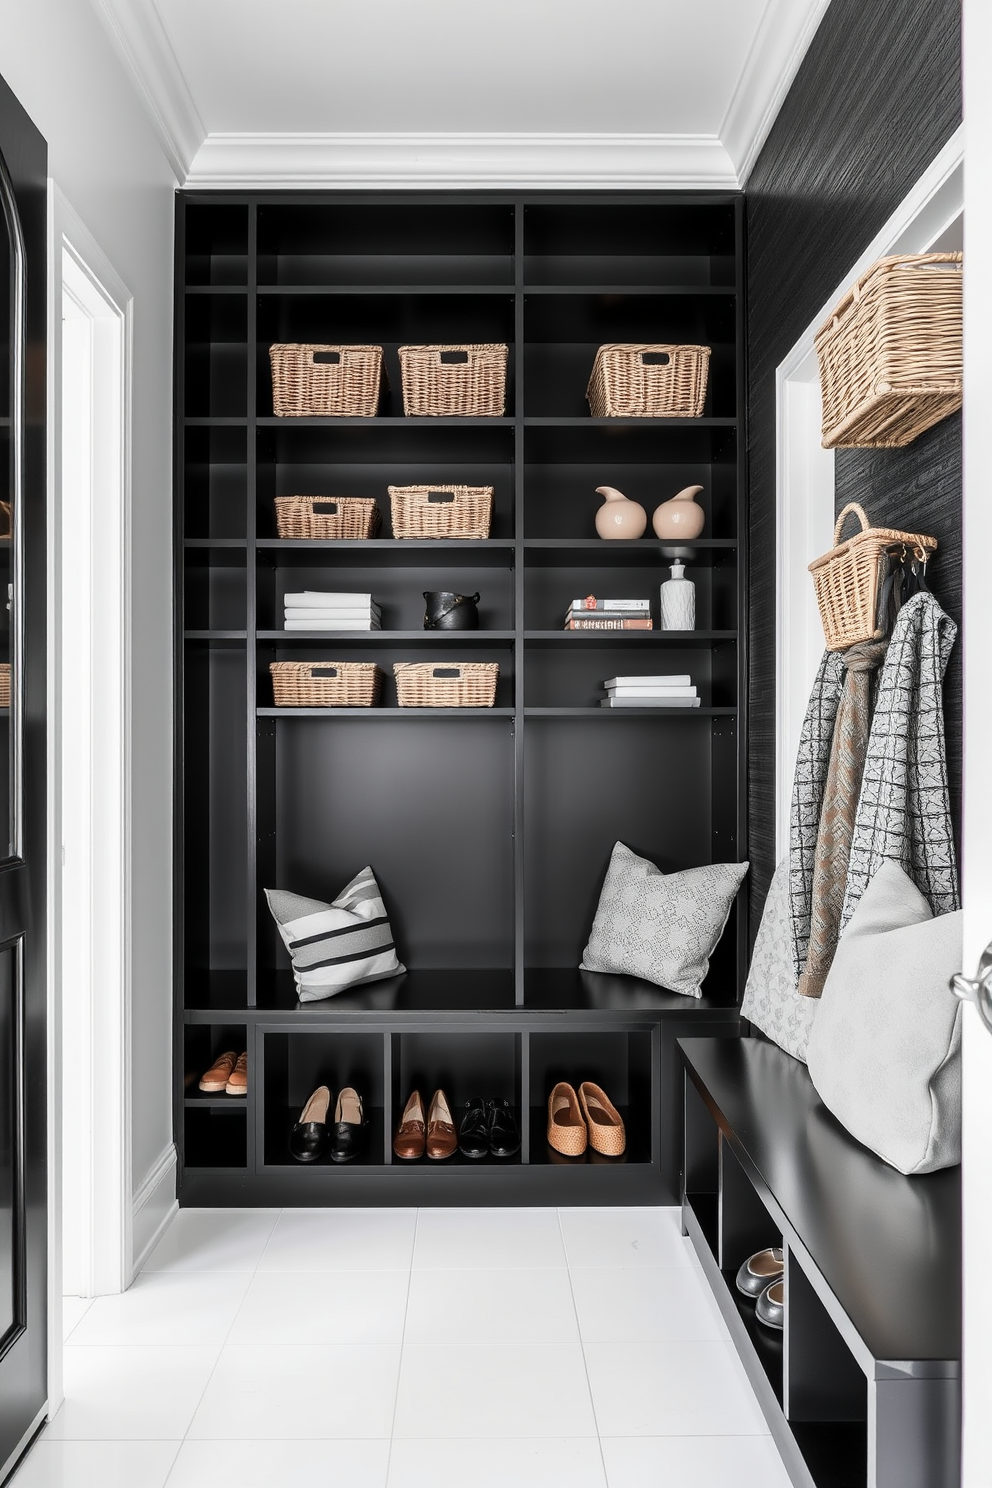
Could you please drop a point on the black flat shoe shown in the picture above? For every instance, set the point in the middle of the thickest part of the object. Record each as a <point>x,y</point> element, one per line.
<point>350,1128</point>
<point>308,1139</point>
<point>504,1134</point>
<point>473,1133</point>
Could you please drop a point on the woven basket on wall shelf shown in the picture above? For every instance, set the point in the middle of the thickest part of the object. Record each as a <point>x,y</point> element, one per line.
<point>890,356</point>
<point>637,380</point>
<point>448,684</point>
<point>331,381</point>
<point>326,684</point>
<point>327,517</point>
<point>441,511</point>
<point>454,381</point>
<point>847,578</point>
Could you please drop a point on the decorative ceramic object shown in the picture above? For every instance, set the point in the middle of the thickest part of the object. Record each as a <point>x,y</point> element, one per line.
<point>619,517</point>
<point>678,601</point>
<point>447,611</point>
<point>680,517</point>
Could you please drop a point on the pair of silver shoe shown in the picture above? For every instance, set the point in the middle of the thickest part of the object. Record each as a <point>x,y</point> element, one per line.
<point>762,1277</point>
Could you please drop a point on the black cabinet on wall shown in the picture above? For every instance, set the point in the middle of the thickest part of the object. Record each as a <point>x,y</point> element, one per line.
<point>489,830</point>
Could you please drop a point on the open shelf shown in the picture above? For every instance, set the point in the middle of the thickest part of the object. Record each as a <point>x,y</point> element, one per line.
<point>489,843</point>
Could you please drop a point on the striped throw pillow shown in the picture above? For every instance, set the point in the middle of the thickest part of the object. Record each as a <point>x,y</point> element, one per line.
<point>336,946</point>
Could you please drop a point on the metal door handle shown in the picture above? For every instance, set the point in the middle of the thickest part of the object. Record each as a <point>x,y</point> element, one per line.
<point>978,989</point>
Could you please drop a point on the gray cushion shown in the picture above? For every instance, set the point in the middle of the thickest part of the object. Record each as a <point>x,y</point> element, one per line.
<point>660,926</point>
<point>885,1050</point>
<point>771,997</point>
<point>336,946</point>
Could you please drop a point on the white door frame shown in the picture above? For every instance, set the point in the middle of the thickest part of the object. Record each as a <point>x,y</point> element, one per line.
<point>89,599</point>
<point>804,495</point>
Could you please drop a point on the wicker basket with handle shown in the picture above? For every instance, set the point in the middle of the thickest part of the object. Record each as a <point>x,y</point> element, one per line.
<point>454,381</point>
<point>446,684</point>
<point>327,516</point>
<point>890,355</point>
<point>334,381</point>
<point>5,673</point>
<point>441,511</point>
<point>326,684</point>
<point>636,380</point>
<point>847,578</point>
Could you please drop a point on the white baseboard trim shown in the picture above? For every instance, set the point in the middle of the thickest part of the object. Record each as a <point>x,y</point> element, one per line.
<point>155,1206</point>
<point>425,160</point>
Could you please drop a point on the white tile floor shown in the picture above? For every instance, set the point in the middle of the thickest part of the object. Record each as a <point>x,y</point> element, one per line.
<point>376,1348</point>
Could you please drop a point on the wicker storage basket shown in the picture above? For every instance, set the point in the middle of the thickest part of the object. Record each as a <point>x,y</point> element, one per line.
<point>4,684</point>
<point>890,355</point>
<point>448,684</point>
<point>641,381</point>
<point>847,578</point>
<point>327,516</point>
<point>449,381</point>
<point>340,381</point>
<point>441,511</point>
<point>326,684</point>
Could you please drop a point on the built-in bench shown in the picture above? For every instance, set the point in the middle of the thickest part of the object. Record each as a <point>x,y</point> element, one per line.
<point>863,1385</point>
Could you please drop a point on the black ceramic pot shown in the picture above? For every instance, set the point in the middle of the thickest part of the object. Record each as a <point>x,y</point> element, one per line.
<point>451,611</point>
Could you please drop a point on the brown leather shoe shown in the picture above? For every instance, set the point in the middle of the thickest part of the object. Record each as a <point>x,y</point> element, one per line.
<point>238,1082</point>
<point>442,1139</point>
<point>605,1124</point>
<point>411,1134</point>
<point>214,1082</point>
<point>566,1124</point>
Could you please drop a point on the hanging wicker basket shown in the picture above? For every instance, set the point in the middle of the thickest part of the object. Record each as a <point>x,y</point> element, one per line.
<point>891,362</point>
<point>847,578</point>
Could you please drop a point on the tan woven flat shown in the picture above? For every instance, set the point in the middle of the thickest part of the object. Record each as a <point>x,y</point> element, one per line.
<point>566,1126</point>
<point>606,1131</point>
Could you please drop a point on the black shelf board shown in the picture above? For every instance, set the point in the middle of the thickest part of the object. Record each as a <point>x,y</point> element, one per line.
<point>206,421</point>
<point>613,290</point>
<point>424,990</point>
<point>542,1154</point>
<point>379,421</point>
<point>874,1237</point>
<point>614,713</point>
<point>198,1099</point>
<point>216,289</point>
<point>388,712</point>
<point>392,637</point>
<point>627,637</point>
<point>593,552</point>
<point>571,989</point>
<point>397,552</point>
<point>504,291</point>
<point>215,635</point>
<point>279,1126</point>
<point>532,422</point>
<point>219,544</point>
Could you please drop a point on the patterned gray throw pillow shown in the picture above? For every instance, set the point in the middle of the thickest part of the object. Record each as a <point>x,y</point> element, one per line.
<point>661,926</point>
<point>336,946</point>
<point>772,1000</point>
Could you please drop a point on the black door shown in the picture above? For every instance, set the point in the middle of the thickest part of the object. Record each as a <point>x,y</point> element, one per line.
<point>23,1045</point>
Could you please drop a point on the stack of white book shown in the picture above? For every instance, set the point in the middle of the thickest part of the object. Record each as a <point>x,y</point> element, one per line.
<point>313,610</point>
<point>650,692</point>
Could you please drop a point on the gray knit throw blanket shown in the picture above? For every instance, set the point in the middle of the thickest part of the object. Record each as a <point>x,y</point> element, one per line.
<point>903,811</point>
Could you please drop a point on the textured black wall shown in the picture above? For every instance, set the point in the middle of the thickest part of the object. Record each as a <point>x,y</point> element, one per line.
<point>877,95</point>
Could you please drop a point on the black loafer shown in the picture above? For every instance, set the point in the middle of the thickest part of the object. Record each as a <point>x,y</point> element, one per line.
<point>350,1128</point>
<point>504,1134</point>
<point>308,1139</point>
<point>473,1133</point>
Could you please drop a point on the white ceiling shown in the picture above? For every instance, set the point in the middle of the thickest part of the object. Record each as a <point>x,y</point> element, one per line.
<point>555,91</point>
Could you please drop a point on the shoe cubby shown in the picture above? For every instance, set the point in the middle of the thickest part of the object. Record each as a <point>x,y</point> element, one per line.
<point>489,830</point>
<point>293,1065</point>
<point>861,1386</point>
<point>619,1062</point>
<point>466,1068</point>
<point>214,1126</point>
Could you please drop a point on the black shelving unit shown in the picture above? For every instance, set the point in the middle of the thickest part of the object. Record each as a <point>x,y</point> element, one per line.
<point>489,842</point>
<point>862,1389</point>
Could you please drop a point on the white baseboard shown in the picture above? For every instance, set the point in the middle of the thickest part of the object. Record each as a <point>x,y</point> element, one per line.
<point>155,1205</point>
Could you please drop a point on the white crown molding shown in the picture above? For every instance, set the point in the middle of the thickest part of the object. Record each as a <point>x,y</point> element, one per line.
<point>140,40</point>
<point>452,160</point>
<point>779,46</point>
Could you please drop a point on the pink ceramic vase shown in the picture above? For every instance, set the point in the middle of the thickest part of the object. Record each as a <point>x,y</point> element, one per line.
<point>680,517</point>
<point>618,516</point>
